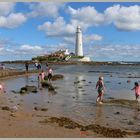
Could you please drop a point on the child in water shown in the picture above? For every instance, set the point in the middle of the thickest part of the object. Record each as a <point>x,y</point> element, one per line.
<point>41,77</point>
<point>101,87</point>
<point>137,90</point>
<point>50,72</point>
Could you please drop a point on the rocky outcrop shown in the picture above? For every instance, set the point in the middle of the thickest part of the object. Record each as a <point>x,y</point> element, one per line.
<point>57,77</point>
<point>28,89</point>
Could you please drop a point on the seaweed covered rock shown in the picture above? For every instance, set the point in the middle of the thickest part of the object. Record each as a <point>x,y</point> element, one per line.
<point>28,89</point>
<point>57,77</point>
<point>48,85</point>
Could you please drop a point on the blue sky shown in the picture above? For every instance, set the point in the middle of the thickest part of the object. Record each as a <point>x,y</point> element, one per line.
<point>111,30</point>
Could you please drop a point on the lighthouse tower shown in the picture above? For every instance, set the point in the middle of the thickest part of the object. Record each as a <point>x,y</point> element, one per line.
<point>79,43</point>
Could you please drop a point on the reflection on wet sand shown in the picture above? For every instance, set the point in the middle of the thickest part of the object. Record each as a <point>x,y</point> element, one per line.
<point>98,114</point>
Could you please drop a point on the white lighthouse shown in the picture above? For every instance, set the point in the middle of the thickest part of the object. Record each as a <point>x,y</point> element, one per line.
<point>79,43</point>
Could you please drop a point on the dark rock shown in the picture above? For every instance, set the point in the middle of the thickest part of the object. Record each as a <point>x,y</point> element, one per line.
<point>138,109</point>
<point>44,109</point>
<point>83,129</point>
<point>130,123</point>
<point>36,108</point>
<point>80,87</point>
<point>11,101</point>
<point>117,113</point>
<point>89,82</point>
<point>48,85</point>
<point>51,88</point>
<point>6,108</point>
<point>40,109</point>
<point>70,126</point>
<point>86,85</point>
<point>14,91</point>
<point>119,83</point>
<point>111,98</point>
<point>83,90</point>
<point>28,89</point>
<point>76,82</point>
<point>57,77</point>
<point>83,80</point>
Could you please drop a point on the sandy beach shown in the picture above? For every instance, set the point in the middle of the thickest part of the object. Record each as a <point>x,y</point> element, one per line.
<point>70,110</point>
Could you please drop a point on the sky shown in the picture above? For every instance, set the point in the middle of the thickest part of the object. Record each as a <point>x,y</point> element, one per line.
<point>111,30</point>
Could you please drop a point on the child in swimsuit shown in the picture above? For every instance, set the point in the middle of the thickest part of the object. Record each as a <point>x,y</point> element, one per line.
<point>100,86</point>
<point>137,90</point>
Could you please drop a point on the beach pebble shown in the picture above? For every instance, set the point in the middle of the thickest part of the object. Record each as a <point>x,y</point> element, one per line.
<point>76,82</point>
<point>119,83</point>
<point>41,109</point>
<point>44,109</point>
<point>117,113</point>
<point>83,129</point>
<point>130,122</point>
<point>13,115</point>
<point>69,126</point>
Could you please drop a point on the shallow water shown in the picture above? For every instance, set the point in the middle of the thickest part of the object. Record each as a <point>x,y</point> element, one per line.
<point>78,101</point>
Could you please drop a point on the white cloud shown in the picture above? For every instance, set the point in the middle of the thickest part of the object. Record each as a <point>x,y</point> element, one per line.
<point>57,28</point>
<point>124,18</point>
<point>115,52</point>
<point>30,48</point>
<point>13,20</point>
<point>93,37</point>
<point>6,8</point>
<point>88,16</point>
<point>45,9</point>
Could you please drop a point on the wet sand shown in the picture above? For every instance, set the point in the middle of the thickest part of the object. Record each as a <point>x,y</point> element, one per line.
<point>69,112</point>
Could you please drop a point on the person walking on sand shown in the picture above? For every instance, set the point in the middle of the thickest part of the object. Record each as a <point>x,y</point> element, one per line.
<point>27,66</point>
<point>101,88</point>
<point>137,90</point>
<point>50,73</point>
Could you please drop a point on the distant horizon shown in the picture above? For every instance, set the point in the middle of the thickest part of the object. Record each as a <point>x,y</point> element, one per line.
<point>111,30</point>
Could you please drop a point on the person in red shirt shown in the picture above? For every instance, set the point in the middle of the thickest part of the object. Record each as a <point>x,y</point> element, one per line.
<point>137,90</point>
<point>101,87</point>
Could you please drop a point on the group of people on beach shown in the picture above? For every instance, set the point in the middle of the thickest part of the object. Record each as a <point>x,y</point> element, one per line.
<point>101,89</point>
<point>37,65</point>
<point>42,76</point>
